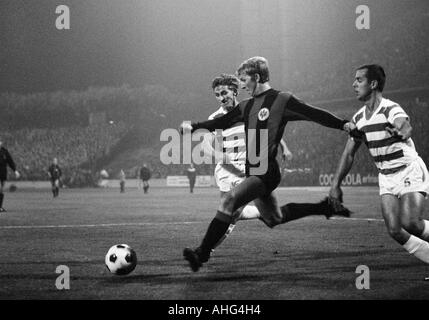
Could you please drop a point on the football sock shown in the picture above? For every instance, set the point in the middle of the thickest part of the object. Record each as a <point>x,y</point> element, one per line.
<point>225,235</point>
<point>215,232</point>
<point>293,211</point>
<point>249,212</point>
<point>425,234</point>
<point>1,200</point>
<point>418,247</point>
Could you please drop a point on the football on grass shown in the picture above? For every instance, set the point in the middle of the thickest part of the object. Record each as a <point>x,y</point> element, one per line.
<point>121,259</point>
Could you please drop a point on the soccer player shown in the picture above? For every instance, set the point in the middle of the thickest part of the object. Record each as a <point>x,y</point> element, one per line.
<point>5,160</point>
<point>231,148</point>
<point>55,173</point>
<point>191,172</point>
<point>265,116</point>
<point>145,176</point>
<point>403,177</point>
<point>122,179</point>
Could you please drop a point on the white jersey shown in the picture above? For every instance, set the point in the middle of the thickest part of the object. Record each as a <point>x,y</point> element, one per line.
<point>389,152</point>
<point>232,140</point>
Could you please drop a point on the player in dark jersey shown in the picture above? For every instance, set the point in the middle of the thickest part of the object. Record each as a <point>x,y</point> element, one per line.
<point>265,116</point>
<point>145,177</point>
<point>5,160</point>
<point>191,172</point>
<point>55,173</point>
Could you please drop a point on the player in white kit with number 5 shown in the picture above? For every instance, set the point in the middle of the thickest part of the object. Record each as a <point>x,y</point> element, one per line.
<point>385,128</point>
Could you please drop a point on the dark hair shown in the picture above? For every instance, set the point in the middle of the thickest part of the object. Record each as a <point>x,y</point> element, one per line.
<point>375,72</point>
<point>226,80</point>
<point>255,65</point>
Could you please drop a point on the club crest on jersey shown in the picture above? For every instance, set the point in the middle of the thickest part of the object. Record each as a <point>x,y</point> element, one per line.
<point>263,114</point>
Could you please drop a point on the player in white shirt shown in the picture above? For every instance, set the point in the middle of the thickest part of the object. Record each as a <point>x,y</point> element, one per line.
<point>229,148</point>
<point>403,177</point>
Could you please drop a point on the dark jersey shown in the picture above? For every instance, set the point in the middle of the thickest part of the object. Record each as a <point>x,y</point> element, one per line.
<point>145,173</point>
<point>270,110</point>
<point>54,171</point>
<point>191,173</point>
<point>5,160</point>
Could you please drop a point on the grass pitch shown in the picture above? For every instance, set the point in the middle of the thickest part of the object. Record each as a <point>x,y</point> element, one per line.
<point>312,258</point>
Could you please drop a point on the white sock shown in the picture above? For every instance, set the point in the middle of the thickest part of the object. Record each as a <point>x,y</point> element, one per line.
<point>249,212</point>
<point>425,234</point>
<point>418,247</point>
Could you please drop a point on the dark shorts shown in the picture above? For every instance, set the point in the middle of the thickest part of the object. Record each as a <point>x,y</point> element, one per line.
<point>272,177</point>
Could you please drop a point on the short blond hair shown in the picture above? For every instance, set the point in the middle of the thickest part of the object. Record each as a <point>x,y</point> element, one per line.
<point>255,65</point>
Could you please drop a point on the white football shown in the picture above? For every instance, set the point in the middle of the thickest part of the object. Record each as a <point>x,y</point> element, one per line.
<point>121,259</point>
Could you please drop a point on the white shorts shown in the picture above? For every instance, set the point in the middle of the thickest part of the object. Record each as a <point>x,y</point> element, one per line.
<point>413,178</point>
<point>227,180</point>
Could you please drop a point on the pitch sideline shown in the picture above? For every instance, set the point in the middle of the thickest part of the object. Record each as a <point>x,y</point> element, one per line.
<point>104,225</point>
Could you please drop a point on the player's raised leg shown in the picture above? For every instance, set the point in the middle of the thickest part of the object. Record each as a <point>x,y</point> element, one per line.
<point>391,210</point>
<point>412,208</point>
<point>272,214</point>
<point>248,190</point>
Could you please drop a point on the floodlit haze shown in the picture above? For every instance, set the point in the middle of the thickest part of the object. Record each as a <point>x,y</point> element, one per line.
<point>178,43</point>
<point>181,44</point>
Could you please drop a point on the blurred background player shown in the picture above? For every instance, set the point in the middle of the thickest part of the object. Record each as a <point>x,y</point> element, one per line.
<point>55,173</point>
<point>230,148</point>
<point>122,179</point>
<point>403,177</point>
<point>267,110</point>
<point>191,172</point>
<point>5,160</point>
<point>104,178</point>
<point>145,175</point>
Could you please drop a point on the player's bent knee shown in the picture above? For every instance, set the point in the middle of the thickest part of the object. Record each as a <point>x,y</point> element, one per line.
<point>271,221</point>
<point>228,202</point>
<point>395,232</point>
<point>413,227</point>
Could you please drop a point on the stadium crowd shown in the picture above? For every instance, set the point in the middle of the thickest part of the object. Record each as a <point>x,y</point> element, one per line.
<point>79,150</point>
<point>34,149</point>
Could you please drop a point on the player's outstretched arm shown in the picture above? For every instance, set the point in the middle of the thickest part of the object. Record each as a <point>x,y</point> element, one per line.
<point>185,127</point>
<point>315,114</point>
<point>344,166</point>
<point>223,122</point>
